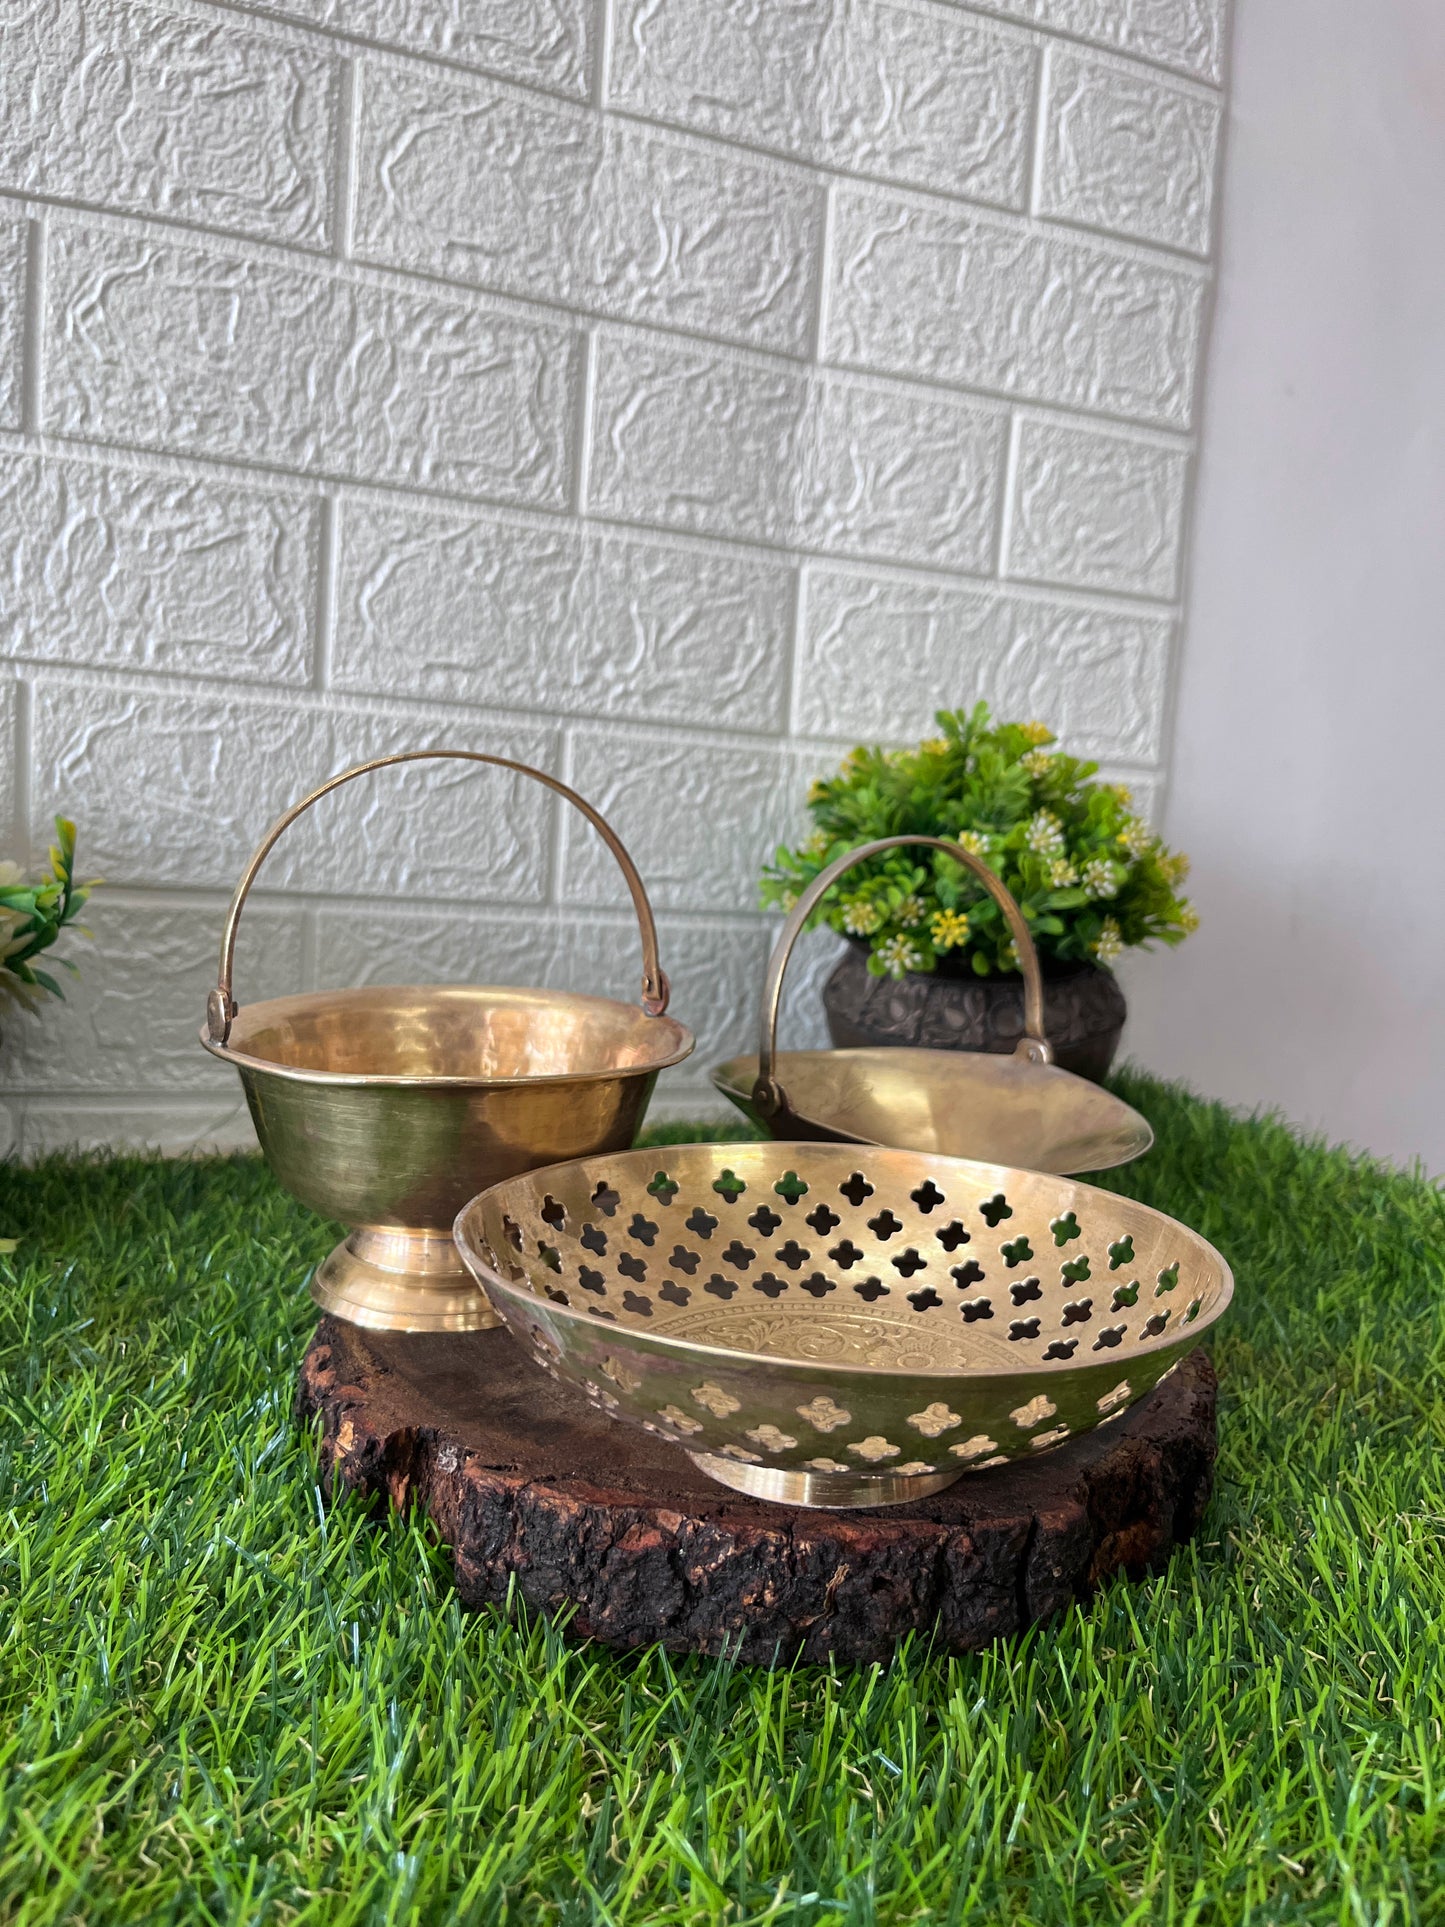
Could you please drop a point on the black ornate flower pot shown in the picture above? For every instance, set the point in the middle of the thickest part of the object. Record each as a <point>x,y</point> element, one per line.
<point>1084,1011</point>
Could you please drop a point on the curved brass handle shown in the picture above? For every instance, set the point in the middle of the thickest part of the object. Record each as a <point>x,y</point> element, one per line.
<point>221,1005</point>
<point>769,1097</point>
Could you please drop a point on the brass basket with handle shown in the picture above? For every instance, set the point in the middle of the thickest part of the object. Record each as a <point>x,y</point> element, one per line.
<point>835,1325</point>
<point>388,1107</point>
<point>1017,1109</point>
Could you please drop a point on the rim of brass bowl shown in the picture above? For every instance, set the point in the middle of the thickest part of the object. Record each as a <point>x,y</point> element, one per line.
<point>999,1174</point>
<point>252,1017</point>
<point>780,1090</point>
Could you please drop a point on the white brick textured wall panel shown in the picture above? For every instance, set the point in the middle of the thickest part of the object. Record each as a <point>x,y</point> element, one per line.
<point>178,789</point>
<point>1187,34</point>
<point>172,1125</point>
<point>698,818</point>
<point>903,92</point>
<point>162,346</point>
<point>697,441</point>
<point>198,119</point>
<point>1128,151</point>
<point>132,569</point>
<point>14,234</point>
<point>535,198</point>
<point>584,622</point>
<point>547,43</point>
<point>1096,510</point>
<point>10,794</point>
<point>131,1017</point>
<point>715,968</point>
<point>1096,676</point>
<point>983,302</point>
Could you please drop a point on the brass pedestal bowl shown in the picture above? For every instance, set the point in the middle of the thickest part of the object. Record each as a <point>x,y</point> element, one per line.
<point>1018,1109</point>
<point>387,1108</point>
<point>827,1326</point>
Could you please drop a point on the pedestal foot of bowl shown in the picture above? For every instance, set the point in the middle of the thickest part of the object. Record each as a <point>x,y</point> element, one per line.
<point>401,1282</point>
<point>537,1491</point>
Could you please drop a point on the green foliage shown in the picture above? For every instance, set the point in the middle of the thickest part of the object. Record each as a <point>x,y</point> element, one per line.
<point>1088,875</point>
<point>224,1698</point>
<point>32,916</point>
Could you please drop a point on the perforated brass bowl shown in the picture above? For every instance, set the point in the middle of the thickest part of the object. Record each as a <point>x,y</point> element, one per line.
<point>831,1325</point>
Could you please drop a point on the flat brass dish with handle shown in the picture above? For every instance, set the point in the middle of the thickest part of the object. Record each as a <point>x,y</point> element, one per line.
<point>1017,1109</point>
<point>388,1107</point>
<point>826,1325</point>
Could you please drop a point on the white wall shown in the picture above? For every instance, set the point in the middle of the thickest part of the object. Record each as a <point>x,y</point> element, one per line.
<point>665,391</point>
<point>1307,778</point>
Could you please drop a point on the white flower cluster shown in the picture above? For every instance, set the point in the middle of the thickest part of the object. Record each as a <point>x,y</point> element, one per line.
<point>1109,942</point>
<point>1101,878</point>
<point>898,956</point>
<point>1045,834</point>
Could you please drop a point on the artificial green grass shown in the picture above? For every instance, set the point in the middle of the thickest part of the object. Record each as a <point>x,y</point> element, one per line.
<point>223,1698</point>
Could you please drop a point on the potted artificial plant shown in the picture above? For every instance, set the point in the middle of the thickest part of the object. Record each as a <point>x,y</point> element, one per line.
<point>929,959</point>
<point>32,916</point>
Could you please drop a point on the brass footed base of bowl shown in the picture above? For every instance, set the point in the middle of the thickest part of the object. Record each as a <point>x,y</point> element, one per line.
<point>401,1281</point>
<point>832,1491</point>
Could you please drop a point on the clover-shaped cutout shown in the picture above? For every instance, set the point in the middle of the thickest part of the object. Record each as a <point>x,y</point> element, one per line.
<point>591,1280</point>
<point>624,1376</point>
<point>1062,1348</point>
<point>551,1257</point>
<point>855,1189</point>
<point>1079,1312</point>
<point>953,1235</point>
<point>970,1272</point>
<point>719,1287</point>
<point>822,1219</point>
<point>792,1254</point>
<point>927,1197</point>
<point>875,1449</point>
<point>739,1254</point>
<point>631,1266</point>
<point>674,1293</point>
<point>553,1212</point>
<point>1066,1229</point>
<point>975,1447</point>
<point>933,1420</point>
<point>871,1290</point>
<point>594,1240</point>
<point>771,1439</point>
<point>700,1223</point>
<point>770,1285</point>
<point>1120,1395</point>
<point>606,1199</point>
<point>729,1185</point>
<point>1073,1271</point>
<point>1153,1326</point>
<point>924,1299</point>
<point>1125,1295</point>
<point>1017,1251</point>
<point>684,1260</point>
<point>679,1420</point>
<point>765,1221</point>
<point>1108,1338</point>
<point>827,1465</point>
<point>885,1225</point>
<point>846,1254</point>
<point>995,1209</point>
<point>818,1286</point>
<point>1023,1328</point>
<point>975,1308</point>
<point>740,1453</point>
<point>557,1297</point>
<point>643,1229</point>
<point>1121,1252</point>
<point>823,1414</point>
<point>1025,1417</point>
<point>1023,1291</point>
<point>714,1399</point>
<point>1168,1279</point>
<point>791,1187</point>
<point>664,1188</point>
<point>1043,1440</point>
<point>512,1232</point>
<point>908,1262</point>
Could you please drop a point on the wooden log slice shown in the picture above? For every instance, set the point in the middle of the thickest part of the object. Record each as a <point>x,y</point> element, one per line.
<point>528,1483</point>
